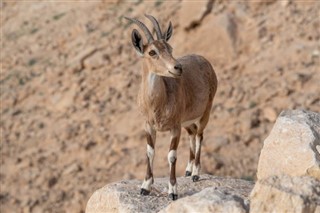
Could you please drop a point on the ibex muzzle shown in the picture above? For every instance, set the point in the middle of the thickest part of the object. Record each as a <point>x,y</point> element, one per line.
<point>168,104</point>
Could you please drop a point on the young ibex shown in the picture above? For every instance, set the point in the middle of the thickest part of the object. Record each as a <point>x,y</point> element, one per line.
<point>174,93</point>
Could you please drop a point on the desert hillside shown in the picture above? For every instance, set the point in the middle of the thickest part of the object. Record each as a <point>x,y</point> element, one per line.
<point>70,77</point>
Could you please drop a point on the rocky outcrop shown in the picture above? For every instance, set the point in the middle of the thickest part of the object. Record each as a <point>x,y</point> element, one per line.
<point>286,194</point>
<point>293,146</point>
<point>211,193</point>
<point>288,179</point>
<point>288,170</point>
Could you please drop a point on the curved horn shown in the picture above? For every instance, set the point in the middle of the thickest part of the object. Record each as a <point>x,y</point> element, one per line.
<point>143,28</point>
<point>155,25</point>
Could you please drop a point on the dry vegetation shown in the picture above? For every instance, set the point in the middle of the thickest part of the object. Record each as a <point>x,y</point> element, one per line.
<point>69,80</point>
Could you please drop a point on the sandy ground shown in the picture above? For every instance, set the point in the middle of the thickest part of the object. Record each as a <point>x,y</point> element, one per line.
<point>70,76</point>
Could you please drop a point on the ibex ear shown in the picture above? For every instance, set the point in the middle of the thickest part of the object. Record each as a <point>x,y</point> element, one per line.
<point>168,33</point>
<point>137,42</point>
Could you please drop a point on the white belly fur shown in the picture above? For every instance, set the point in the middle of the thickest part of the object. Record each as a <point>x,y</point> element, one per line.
<point>188,123</point>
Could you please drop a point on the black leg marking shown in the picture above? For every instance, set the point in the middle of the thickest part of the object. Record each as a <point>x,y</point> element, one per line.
<point>195,178</point>
<point>144,192</point>
<point>173,196</point>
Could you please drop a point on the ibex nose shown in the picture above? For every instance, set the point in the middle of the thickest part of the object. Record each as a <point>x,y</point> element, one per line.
<point>178,68</point>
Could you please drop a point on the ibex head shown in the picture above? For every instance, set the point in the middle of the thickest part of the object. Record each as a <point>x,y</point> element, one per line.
<point>157,53</point>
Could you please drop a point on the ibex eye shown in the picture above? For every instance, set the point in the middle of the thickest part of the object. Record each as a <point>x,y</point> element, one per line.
<point>152,53</point>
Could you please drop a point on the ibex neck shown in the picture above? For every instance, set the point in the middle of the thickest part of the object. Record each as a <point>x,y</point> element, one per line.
<point>155,88</point>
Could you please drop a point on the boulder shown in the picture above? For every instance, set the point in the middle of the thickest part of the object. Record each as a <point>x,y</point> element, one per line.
<point>292,148</point>
<point>286,194</point>
<point>213,193</point>
<point>211,200</point>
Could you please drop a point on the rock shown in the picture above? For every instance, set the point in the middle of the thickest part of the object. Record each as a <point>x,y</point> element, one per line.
<point>288,170</point>
<point>270,114</point>
<point>192,12</point>
<point>124,196</point>
<point>222,28</point>
<point>286,194</point>
<point>285,3</point>
<point>219,142</point>
<point>210,200</point>
<point>258,4</point>
<point>292,146</point>
<point>56,72</point>
<point>60,101</point>
<point>95,60</point>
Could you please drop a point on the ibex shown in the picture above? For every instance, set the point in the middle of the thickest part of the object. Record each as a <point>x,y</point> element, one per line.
<point>174,93</point>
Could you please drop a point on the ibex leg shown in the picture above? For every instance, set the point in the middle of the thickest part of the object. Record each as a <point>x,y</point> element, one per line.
<point>172,159</point>
<point>148,180</point>
<point>192,131</point>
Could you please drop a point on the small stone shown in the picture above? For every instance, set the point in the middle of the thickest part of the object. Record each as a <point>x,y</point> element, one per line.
<point>315,53</point>
<point>270,114</point>
<point>52,181</point>
<point>72,168</point>
<point>285,3</point>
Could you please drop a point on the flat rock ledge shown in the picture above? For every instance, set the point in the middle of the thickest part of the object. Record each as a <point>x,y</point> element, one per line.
<point>211,193</point>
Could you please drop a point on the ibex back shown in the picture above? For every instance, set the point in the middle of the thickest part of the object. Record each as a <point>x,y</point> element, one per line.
<point>174,93</point>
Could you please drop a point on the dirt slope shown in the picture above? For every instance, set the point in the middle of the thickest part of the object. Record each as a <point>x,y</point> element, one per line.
<point>69,80</point>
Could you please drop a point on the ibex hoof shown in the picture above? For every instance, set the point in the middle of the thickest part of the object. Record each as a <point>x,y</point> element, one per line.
<point>144,192</point>
<point>173,196</point>
<point>188,173</point>
<point>195,178</point>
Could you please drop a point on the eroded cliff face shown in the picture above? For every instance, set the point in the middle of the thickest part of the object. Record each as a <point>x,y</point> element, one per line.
<point>69,80</point>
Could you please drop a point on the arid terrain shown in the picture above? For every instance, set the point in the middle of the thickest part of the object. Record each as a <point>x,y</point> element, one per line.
<point>70,76</point>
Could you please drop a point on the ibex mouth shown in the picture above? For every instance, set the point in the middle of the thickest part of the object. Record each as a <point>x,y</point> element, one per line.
<point>175,74</point>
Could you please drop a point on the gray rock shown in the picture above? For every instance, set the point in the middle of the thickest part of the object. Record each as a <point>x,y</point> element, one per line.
<point>211,199</point>
<point>124,196</point>
<point>292,148</point>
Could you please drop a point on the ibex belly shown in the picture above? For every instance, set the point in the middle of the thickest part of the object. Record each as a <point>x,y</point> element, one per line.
<point>189,122</point>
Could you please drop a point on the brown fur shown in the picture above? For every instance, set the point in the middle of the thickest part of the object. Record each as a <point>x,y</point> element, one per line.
<point>166,102</point>
<point>173,93</point>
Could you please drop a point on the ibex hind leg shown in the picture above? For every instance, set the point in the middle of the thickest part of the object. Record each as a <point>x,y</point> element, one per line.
<point>199,138</point>
<point>192,132</point>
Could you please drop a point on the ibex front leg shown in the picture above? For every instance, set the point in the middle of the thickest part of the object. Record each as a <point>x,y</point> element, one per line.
<point>151,140</point>
<point>172,159</point>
